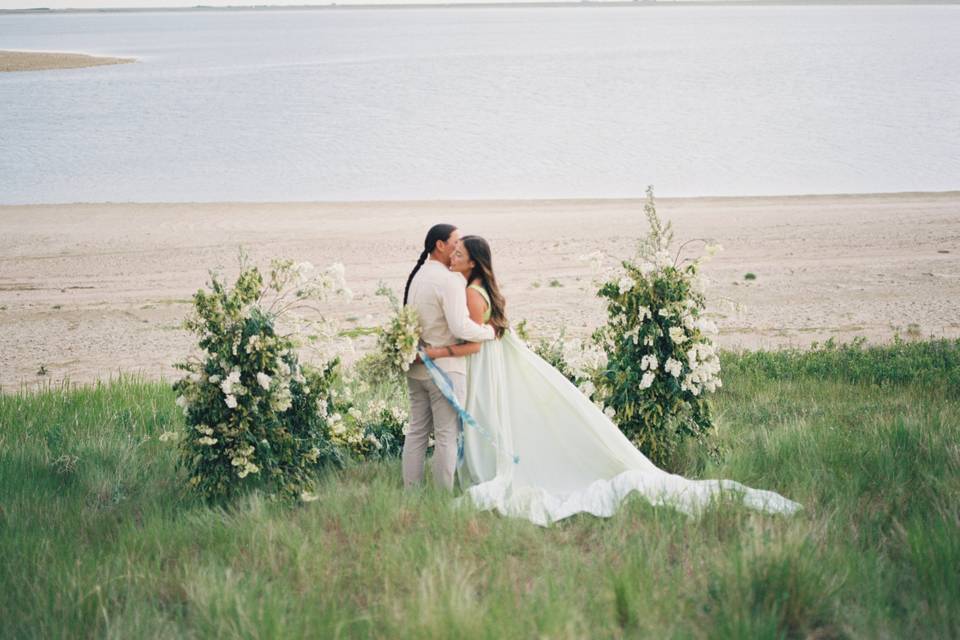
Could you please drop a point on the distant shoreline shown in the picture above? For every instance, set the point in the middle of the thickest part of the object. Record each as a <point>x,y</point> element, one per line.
<point>18,61</point>
<point>496,5</point>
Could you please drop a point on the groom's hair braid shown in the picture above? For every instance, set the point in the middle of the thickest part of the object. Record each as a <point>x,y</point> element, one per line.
<point>437,233</point>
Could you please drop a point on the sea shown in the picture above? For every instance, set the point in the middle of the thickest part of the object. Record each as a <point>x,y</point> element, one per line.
<point>412,103</point>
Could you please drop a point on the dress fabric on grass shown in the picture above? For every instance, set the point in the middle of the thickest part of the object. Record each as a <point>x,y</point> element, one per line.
<point>546,452</point>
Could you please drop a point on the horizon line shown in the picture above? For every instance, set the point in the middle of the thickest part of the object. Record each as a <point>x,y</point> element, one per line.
<point>477,4</point>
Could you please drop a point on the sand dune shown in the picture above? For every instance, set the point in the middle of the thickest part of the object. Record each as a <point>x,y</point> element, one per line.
<point>87,290</point>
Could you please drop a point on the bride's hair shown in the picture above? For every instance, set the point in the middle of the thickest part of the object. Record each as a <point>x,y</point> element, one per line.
<point>437,233</point>
<point>479,251</point>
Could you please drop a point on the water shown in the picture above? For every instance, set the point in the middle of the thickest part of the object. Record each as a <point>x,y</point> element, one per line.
<point>358,104</point>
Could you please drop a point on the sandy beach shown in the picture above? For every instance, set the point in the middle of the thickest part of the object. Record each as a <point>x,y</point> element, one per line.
<point>88,290</point>
<point>45,60</point>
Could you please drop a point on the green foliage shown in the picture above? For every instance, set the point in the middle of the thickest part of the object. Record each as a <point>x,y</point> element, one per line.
<point>255,416</point>
<point>369,416</point>
<point>934,363</point>
<point>397,342</point>
<point>660,357</point>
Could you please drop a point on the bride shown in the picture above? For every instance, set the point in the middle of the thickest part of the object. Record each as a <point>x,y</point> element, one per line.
<point>540,449</point>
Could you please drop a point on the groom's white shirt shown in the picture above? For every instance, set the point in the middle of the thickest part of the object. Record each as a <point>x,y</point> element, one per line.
<point>439,296</point>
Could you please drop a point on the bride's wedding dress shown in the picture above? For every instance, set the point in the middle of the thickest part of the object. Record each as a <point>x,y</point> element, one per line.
<point>545,452</point>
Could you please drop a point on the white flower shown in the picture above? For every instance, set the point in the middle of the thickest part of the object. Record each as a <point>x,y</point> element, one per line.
<point>168,435</point>
<point>263,380</point>
<point>587,388</point>
<point>374,441</point>
<point>648,341</point>
<point>673,367</point>
<point>231,401</point>
<point>625,284</point>
<point>677,335</point>
<point>207,440</point>
<point>643,312</point>
<point>610,412</point>
<point>707,327</point>
<point>649,361</point>
<point>248,468</point>
<point>227,385</point>
<point>282,399</point>
<point>354,413</point>
<point>214,379</point>
<point>713,249</point>
<point>647,379</point>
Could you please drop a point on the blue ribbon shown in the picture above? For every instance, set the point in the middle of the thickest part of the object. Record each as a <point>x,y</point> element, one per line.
<point>445,385</point>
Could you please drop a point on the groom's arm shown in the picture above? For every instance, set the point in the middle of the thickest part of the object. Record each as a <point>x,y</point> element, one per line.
<point>454,302</point>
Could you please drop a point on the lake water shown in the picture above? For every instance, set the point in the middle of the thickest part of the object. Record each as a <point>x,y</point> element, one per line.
<point>362,104</point>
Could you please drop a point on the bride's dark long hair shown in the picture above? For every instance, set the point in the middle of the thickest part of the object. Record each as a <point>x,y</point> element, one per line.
<point>479,251</point>
<point>437,233</point>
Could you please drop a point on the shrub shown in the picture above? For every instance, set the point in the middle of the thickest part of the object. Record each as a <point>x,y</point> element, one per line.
<point>256,416</point>
<point>661,361</point>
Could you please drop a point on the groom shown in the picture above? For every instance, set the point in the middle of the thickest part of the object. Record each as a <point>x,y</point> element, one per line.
<point>440,297</point>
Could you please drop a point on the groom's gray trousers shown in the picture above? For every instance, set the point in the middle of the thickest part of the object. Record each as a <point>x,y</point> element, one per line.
<point>431,412</point>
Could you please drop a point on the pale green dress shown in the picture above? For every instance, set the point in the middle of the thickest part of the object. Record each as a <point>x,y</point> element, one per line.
<point>543,451</point>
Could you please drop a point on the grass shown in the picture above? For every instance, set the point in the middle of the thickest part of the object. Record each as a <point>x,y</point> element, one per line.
<point>98,540</point>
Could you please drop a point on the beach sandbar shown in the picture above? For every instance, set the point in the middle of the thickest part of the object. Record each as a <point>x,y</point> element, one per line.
<point>44,60</point>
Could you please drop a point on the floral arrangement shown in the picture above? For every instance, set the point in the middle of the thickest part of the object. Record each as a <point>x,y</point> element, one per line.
<point>256,416</point>
<point>397,342</point>
<point>660,358</point>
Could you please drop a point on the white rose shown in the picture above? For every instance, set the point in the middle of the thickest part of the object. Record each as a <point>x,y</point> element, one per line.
<point>231,401</point>
<point>677,335</point>
<point>263,380</point>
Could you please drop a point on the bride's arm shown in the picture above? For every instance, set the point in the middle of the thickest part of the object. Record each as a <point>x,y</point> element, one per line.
<point>477,306</point>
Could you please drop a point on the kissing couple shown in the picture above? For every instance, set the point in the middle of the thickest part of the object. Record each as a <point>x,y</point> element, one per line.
<point>521,438</point>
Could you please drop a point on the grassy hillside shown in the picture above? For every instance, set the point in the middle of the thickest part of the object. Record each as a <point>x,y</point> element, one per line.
<point>97,539</point>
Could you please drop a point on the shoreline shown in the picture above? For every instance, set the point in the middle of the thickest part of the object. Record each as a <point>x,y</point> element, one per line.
<point>586,200</point>
<point>17,61</point>
<point>495,4</point>
<point>90,290</point>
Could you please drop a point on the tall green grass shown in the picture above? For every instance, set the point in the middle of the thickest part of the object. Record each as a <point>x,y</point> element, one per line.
<point>98,540</point>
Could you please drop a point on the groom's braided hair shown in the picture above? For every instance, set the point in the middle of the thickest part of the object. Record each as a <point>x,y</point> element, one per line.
<point>437,233</point>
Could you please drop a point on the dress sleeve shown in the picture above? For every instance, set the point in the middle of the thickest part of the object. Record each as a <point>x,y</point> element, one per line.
<point>454,300</point>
